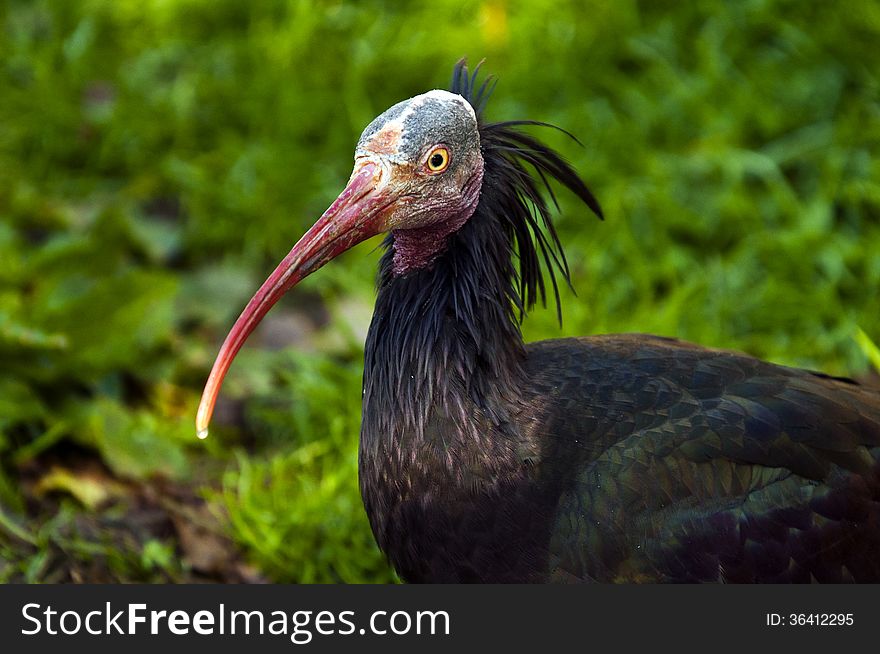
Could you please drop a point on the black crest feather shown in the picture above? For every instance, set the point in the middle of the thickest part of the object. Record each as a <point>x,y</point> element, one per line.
<point>525,164</point>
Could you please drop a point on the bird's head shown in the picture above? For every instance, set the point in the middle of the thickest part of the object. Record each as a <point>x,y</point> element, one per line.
<point>427,154</point>
<point>417,173</point>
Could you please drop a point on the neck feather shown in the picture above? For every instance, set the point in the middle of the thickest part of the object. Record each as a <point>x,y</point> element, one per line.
<point>445,336</point>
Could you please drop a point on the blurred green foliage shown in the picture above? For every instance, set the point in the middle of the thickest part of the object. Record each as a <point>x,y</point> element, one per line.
<point>158,157</point>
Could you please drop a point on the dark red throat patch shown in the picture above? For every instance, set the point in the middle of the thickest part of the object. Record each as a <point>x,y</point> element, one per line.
<point>418,248</point>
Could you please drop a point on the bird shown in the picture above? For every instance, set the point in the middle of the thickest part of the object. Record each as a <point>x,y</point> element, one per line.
<point>622,458</point>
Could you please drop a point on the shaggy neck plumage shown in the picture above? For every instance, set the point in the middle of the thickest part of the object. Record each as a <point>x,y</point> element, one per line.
<point>445,337</point>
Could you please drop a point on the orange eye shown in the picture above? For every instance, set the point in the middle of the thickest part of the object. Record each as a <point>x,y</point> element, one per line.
<point>438,160</point>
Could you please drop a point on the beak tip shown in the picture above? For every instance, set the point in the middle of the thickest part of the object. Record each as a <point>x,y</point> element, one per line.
<point>203,418</point>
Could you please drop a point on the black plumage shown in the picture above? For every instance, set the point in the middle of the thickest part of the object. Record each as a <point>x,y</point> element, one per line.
<point>606,458</point>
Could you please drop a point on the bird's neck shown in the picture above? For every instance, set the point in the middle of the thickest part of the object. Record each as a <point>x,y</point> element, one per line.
<point>445,342</point>
<point>443,376</point>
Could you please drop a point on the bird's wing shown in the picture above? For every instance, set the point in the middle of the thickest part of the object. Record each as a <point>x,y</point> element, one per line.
<point>681,463</point>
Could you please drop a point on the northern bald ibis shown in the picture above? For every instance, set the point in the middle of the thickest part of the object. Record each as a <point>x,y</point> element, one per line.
<point>602,458</point>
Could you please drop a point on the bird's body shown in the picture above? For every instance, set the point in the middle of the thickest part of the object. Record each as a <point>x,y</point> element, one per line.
<point>636,458</point>
<point>605,458</point>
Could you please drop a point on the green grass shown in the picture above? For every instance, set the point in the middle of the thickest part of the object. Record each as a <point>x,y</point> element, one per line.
<point>158,158</point>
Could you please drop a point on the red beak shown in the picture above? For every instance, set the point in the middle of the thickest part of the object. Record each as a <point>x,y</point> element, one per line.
<point>356,215</point>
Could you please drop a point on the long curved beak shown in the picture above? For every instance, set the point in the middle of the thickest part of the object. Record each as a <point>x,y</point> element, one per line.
<point>356,215</point>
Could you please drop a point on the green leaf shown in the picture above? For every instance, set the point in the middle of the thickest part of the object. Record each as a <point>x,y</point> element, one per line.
<point>89,490</point>
<point>16,335</point>
<point>870,349</point>
<point>115,323</point>
<point>18,403</point>
<point>134,444</point>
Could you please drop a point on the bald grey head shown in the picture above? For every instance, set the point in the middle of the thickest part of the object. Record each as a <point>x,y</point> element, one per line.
<point>428,148</point>
<point>407,129</point>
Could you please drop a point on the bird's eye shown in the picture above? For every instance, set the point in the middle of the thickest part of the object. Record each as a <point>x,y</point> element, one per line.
<point>438,160</point>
